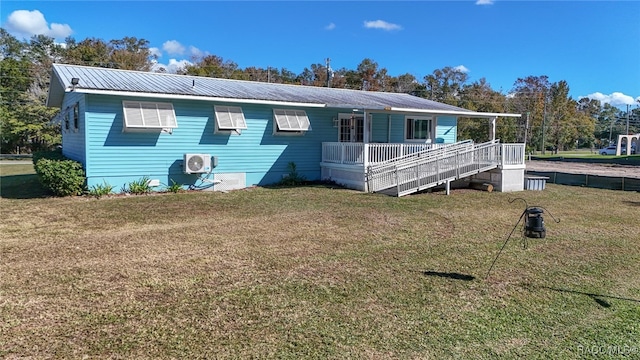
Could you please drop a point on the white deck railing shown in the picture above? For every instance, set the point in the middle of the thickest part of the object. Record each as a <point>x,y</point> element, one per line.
<point>348,153</point>
<point>512,154</point>
<point>433,168</point>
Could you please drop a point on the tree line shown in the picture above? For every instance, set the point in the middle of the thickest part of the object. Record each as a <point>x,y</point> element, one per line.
<point>551,118</point>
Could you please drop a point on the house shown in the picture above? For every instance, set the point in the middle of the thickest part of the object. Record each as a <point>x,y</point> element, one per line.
<point>222,134</point>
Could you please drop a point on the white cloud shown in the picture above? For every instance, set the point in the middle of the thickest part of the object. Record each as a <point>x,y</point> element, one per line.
<point>461,68</point>
<point>331,26</point>
<point>484,2</point>
<point>28,23</point>
<point>172,67</point>
<point>381,24</point>
<point>615,99</point>
<point>155,51</point>
<point>173,47</point>
<point>194,51</point>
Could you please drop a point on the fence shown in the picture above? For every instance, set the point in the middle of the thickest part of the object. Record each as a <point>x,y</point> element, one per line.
<point>593,181</point>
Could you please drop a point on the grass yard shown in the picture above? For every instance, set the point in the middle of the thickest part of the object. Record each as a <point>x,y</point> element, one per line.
<point>315,272</point>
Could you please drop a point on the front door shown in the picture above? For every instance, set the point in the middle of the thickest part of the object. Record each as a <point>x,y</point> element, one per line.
<point>351,128</point>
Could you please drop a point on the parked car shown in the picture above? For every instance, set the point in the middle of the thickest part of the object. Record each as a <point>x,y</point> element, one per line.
<point>611,150</point>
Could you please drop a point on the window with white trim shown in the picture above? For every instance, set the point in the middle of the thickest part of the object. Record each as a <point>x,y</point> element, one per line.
<point>418,128</point>
<point>146,115</point>
<point>229,118</point>
<point>287,121</point>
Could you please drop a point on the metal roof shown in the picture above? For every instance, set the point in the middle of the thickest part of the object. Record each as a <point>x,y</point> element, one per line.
<point>127,82</point>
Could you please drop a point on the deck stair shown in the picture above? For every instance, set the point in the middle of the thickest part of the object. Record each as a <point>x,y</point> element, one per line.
<point>429,168</point>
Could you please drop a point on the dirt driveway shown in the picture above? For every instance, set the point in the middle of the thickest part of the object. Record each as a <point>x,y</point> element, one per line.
<point>585,168</point>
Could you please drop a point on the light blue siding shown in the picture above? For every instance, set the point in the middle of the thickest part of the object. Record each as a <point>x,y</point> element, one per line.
<point>447,129</point>
<point>119,157</point>
<point>116,157</point>
<point>74,139</point>
<point>397,128</point>
<point>380,128</point>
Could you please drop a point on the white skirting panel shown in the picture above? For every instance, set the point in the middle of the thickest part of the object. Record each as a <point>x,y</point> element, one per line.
<point>229,181</point>
<point>351,177</point>
<point>504,180</point>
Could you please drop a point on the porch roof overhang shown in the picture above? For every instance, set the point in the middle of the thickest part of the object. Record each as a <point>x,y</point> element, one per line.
<point>461,113</point>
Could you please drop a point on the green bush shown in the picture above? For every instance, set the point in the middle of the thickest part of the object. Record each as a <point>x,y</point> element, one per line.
<point>63,177</point>
<point>101,190</point>
<point>174,187</point>
<point>293,178</point>
<point>51,155</point>
<point>138,187</point>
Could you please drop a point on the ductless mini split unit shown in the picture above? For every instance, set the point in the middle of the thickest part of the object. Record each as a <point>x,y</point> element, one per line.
<point>197,163</point>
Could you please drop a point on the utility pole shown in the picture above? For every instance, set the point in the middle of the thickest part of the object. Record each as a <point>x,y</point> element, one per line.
<point>526,129</point>
<point>627,133</point>
<point>329,71</point>
<point>544,120</point>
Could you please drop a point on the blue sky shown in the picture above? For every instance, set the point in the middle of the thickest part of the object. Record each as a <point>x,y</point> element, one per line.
<point>593,45</point>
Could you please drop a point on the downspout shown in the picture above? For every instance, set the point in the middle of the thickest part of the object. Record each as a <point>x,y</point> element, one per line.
<point>388,128</point>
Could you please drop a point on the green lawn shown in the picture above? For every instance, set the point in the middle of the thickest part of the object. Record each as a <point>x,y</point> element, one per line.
<point>317,272</point>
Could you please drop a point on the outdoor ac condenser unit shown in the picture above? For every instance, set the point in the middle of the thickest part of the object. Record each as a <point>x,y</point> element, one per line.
<point>197,163</point>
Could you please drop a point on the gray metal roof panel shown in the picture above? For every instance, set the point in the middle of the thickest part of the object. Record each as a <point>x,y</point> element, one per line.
<point>158,83</point>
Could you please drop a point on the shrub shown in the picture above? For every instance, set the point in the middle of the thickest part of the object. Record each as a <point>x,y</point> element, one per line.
<point>51,155</point>
<point>293,178</point>
<point>174,187</point>
<point>101,190</point>
<point>138,187</point>
<point>61,177</point>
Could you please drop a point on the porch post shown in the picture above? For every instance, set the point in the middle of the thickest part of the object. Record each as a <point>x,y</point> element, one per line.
<point>365,131</point>
<point>365,145</point>
<point>492,128</point>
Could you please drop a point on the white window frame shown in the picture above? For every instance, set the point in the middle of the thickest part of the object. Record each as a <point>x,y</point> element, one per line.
<point>163,118</point>
<point>235,117</point>
<point>290,122</point>
<point>413,119</point>
<point>344,122</point>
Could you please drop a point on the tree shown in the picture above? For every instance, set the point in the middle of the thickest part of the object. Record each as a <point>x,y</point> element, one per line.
<point>212,66</point>
<point>88,52</point>
<point>444,85</point>
<point>405,83</point>
<point>530,95</point>
<point>24,75</point>
<point>479,96</point>
<point>130,53</point>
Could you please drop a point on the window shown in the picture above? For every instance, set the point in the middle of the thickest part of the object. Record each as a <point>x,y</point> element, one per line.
<point>418,128</point>
<point>76,116</point>
<point>290,121</point>
<point>229,118</point>
<point>148,115</point>
<point>66,120</point>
